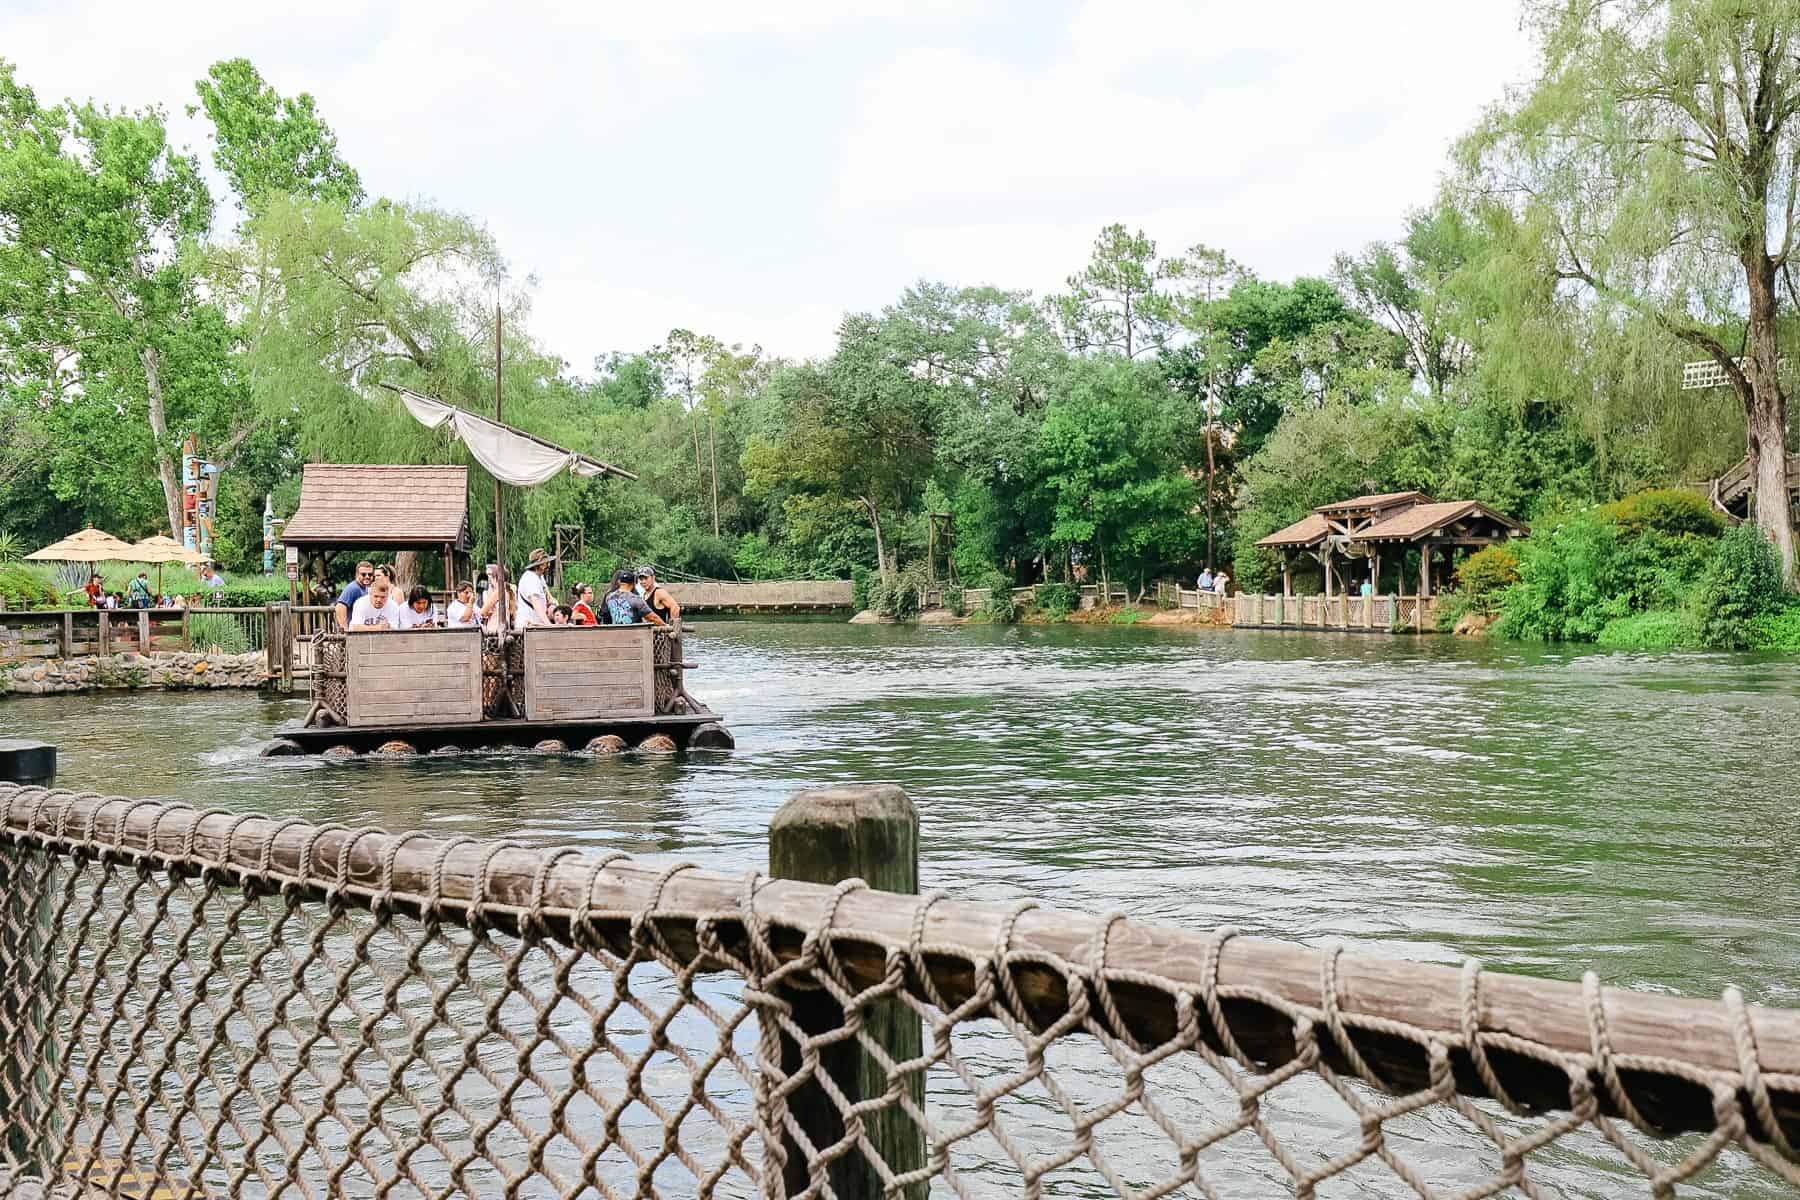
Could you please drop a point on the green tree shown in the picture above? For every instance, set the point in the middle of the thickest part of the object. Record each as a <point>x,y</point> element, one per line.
<point>1121,301</point>
<point>1655,155</point>
<point>99,217</point>
<point>1403,287</point>
<point>268,144</point>
<point>1108,474</point>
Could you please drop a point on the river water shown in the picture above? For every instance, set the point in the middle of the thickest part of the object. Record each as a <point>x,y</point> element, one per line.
<point>1544,809</point>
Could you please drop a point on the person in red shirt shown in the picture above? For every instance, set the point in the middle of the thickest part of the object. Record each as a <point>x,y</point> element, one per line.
<point>584,605</point>
<point>95,585</point>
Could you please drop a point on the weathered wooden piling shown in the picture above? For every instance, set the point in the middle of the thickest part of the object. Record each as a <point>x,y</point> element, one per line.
<point>827,836</point>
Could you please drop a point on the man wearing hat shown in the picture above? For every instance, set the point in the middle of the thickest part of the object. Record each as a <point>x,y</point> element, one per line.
<point>534,595</point>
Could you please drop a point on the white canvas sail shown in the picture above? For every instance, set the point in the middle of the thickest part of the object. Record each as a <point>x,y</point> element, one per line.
<point>507,454</point>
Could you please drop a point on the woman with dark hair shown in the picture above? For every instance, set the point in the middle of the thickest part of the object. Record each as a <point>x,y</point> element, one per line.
<point>416,612</point>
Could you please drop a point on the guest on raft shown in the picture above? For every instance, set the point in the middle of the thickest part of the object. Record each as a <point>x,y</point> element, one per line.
<point>417,612</point>
<point>624,606</point>
<point>461,613</point>
<point>353,591</point>
<point>376,611</point>
<point>562,614</point>
<point>534,593</point>
<point>500,600</point>
<point>658,598</point>
<point>583,608</point>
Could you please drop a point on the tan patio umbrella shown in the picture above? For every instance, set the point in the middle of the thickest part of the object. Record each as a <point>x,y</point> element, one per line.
<point>160,550</point>
<point>90,545</point>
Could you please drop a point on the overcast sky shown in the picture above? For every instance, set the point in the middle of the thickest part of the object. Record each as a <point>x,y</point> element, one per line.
<point>754,169</point>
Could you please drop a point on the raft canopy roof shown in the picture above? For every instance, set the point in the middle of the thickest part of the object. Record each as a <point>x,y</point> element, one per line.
<point>397,507</point>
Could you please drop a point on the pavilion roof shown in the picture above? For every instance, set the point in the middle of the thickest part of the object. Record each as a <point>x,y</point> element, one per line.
<point>1309,530</point>
<point>1378,500</point>
<point>381,505</point>
<point>1422,520</point>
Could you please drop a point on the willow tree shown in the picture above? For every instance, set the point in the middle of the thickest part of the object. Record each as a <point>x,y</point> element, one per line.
<point>1655,151</point>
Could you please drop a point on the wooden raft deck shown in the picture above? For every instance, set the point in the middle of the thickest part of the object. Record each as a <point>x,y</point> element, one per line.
<point>686,728</point>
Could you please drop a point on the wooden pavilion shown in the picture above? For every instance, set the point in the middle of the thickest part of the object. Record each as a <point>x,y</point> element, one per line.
<point>1368,526</point>
<point>378,506</point>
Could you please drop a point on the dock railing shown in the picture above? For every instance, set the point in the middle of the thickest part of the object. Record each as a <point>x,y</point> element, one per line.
<point>1380,614</point>
<point>221,1003</point>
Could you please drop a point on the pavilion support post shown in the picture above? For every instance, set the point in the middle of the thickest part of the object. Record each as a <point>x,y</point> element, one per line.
<point>827,836</point>
<point>1325,561</point>
<point>1287,572</point>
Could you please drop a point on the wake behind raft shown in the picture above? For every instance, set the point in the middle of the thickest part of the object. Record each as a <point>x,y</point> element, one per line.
<point>594,688</point>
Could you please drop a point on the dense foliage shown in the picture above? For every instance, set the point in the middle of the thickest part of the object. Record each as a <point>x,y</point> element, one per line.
<point>1163,412</point>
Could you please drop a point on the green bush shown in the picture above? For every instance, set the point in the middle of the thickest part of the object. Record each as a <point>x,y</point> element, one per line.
<point>1126,616</point>
<point>900,599</point>
<point>1057,600</point>
<point>862,589</point>
<point>12,549</point>
<point>953,599</point>
<point>1673,511</point>
<point>1485,574</point>
<point>1741,583</point>
<point>1661,629</point>
<point>1569,585</point>
<point>999,605</point>
<point>22,587</point>
<point>1777,631</point>
<point>1453,606</point>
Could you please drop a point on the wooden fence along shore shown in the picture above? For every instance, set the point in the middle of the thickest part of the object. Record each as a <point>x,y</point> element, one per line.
<point>216,1002</point>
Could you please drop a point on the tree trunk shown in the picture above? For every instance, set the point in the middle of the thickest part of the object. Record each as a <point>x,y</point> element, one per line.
<point>699,470</point>
<point>406,567</point>
<point>1209,489</point>
<point>712,446</point>
<point>881,561</point>
<point>159,427</point>
<point>1765,411</point>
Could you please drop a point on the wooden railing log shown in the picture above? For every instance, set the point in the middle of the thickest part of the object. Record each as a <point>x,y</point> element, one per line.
<point>1644,1030</point>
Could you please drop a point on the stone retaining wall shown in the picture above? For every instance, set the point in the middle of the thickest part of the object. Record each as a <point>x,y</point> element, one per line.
<point>90,672</point>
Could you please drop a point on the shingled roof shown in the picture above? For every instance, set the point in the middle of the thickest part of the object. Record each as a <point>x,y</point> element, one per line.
<point>1422,519</point>
<point>1379,500</point>
<point>1307,531</point>
<point>379,505</point>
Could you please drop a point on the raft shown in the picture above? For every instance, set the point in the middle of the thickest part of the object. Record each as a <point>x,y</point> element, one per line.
<point>567,687</point>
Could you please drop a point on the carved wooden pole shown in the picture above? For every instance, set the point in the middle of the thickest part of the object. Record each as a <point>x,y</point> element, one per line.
<point>827,836</point>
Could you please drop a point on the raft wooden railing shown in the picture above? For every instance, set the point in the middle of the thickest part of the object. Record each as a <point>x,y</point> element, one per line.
<point>222,1003</point>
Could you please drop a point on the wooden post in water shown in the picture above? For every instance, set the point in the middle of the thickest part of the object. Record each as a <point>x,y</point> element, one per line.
<point>827,836</point>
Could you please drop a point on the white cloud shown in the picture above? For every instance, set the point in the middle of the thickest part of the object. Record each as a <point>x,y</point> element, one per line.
<point>992,170</point>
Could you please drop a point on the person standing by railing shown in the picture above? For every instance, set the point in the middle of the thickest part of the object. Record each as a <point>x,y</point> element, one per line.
<point>353,591</point>
<point>661,602</point>
<point>1205,582</point>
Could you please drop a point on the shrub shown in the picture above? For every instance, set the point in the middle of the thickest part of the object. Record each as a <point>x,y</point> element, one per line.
<point>1454,606</point>
<point>1057,600</point>
<point>953,599</point>
<point>1777,631</point>
<point>1126,616</point>
<point>1673,511</point>
<point>1661,629</point>
<point>1000,605</point>
<point>900,599</point>
<point>11,548</point>
<point>1569,583</point>
<point>862,589</point>
<point>1485,574</point>
<point>23,587</point>
<point>1741,583</point>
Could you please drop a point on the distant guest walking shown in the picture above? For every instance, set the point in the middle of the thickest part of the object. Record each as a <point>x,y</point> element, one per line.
<point>1205,582</point>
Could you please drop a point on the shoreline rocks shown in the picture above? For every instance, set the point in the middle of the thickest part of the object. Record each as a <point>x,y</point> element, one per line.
<point>173,671</point>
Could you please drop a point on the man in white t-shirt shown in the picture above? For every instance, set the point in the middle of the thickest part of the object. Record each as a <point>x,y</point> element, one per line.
<point>376,611</point>
<point>535,600</point>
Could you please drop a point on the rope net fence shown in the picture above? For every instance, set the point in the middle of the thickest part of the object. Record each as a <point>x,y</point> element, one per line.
<point>211,1004</point>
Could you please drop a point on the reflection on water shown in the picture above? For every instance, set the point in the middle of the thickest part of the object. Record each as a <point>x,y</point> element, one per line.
<point>1431,797</point>
<point>1542,809</point>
